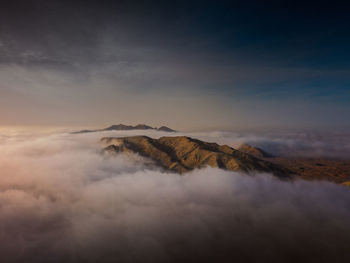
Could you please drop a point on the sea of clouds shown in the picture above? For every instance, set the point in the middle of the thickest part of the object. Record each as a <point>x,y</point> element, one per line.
<point>333,145</point>
<point>63,200</point>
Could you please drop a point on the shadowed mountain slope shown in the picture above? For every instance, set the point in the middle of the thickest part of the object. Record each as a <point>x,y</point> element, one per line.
<point>333,170</point>
<point>182,154</point>
<point>255,151</point>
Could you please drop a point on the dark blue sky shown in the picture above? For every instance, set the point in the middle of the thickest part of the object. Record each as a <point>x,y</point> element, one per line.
<point>222,64</point>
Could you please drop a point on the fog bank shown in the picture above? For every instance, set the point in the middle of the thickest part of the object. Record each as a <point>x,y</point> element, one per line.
<point>61,200</point>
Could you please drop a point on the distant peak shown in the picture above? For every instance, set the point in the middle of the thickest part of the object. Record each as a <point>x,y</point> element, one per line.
<point>143,127</point>
<point>123,127</point>
<point>166,129</point>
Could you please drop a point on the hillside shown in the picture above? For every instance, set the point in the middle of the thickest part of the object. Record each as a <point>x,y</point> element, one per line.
<point>255,151</point>
<point>334,170</point>
<point>182,154</point>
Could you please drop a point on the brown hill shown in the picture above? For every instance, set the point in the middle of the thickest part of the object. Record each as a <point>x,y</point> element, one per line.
<point>255,151</point>
<point>337,171</point>
<point>182,154</point>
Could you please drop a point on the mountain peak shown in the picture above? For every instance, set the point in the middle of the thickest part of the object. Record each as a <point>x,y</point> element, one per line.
<point>166,129</point>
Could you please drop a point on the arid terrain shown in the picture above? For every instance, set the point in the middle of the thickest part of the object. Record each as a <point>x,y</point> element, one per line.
<point>317,169</point>
<point>182,154</point>
<point>334,170</point>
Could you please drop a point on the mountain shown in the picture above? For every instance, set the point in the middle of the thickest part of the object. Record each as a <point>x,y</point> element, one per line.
<point>182,154</point>
<point>165,128</point>
<point>255,151</point>
<point>122,127</point>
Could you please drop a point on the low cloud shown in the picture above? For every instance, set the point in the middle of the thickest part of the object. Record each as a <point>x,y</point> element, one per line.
<point>61,200</point>
<point>292,144</point>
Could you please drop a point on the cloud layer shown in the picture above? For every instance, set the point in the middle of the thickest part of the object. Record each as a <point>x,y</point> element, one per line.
<point>61,200</point>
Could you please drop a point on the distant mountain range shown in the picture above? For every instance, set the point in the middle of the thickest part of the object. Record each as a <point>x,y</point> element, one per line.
<point>122,127</point>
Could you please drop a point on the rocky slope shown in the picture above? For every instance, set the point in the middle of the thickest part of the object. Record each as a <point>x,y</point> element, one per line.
<point>255,151</point>
<point>122,127</point>
<point>333,170</point>
<point>182,154</point>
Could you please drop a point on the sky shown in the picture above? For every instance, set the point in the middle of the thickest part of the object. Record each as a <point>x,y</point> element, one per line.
<point>190,65</point>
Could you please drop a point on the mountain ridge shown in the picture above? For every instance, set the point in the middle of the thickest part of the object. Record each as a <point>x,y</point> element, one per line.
<point>123,127</point>
<point>182,154</point>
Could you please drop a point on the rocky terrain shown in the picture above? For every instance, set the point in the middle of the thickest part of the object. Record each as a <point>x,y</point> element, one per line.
<point>337,171</point>
<point>122,127</point>
<point>182,154</point>
<point>334,170</point>
<point>255,151</point>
